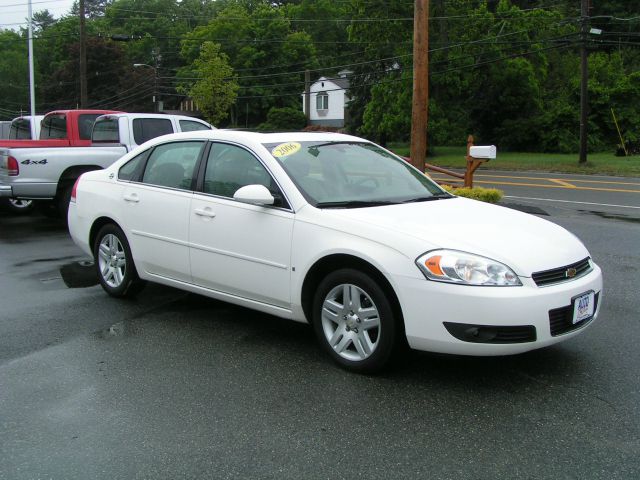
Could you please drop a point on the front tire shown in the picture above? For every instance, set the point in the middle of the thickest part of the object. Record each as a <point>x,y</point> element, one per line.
<point>354,321</point>
<point>114,264</point>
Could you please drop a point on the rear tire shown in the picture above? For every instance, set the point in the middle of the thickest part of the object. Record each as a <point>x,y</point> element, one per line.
<point>114,263</point>
<point>19,206</point>
<point>354,321</point>
<point>63,202</point>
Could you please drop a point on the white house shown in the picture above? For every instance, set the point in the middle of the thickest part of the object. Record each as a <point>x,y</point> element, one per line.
<point>328,100</point>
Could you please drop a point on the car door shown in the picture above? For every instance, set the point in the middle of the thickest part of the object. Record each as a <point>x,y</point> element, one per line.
<point>157,207</point>
<point>239,248</point>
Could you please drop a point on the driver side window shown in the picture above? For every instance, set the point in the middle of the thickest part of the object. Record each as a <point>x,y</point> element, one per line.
<point>230,167</point>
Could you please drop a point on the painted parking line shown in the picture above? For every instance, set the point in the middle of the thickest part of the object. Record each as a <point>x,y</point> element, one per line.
<point>570,201</point>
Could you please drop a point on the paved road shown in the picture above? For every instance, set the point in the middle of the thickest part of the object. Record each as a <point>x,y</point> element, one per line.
<point>591,193</point>
<point>172,385</point>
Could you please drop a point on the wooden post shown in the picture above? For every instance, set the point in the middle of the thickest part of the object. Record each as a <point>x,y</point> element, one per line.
<point>420,84</point>
<point>307,95</point>
<point>584,79</point>
<point>472,164</point>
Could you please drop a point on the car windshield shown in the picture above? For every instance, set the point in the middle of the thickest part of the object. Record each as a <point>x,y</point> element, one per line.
<point>352,174</point>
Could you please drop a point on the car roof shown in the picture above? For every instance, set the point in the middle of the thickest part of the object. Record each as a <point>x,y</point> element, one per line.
<point>260,138</point>
<point>152,115</point>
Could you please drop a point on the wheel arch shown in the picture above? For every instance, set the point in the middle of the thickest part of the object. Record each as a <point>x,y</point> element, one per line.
<point>97,225</point>
<point>71,174</point>
<point>323,266</point>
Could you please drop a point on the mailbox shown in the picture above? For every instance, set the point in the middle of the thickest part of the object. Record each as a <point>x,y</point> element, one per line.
<point>487,152</point>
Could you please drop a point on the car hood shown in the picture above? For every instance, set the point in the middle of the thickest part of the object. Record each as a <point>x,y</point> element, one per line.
<point>524,242</point>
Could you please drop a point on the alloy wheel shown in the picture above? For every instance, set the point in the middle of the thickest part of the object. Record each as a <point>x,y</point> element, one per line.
<point>351,322</point>
<point>112,260</point>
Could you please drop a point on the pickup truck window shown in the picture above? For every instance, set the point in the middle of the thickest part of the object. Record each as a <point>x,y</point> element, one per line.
<point>20,129</point>
<point>54,127</point>
<point>147,128</point>
<point>106,131</point>
<point>192,126</point>
<point>85,125</point>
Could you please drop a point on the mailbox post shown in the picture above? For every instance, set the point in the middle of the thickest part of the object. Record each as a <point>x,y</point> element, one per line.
<point>476,156</point>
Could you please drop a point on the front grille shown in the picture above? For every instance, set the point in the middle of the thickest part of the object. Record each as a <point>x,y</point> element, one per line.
<point>559,275</point>
<point>561,319</point>
<point>491,333</point>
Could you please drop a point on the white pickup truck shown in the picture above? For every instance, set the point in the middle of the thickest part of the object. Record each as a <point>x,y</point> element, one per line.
<point>48,173</point>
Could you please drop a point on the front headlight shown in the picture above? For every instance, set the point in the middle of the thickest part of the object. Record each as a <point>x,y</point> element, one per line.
<point>452,266</point>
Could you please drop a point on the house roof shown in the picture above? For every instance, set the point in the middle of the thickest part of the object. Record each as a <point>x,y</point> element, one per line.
<point>342,82</point>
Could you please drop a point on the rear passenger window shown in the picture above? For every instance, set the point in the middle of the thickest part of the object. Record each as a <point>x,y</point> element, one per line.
<point>172,165</point>
<point>147,128</point>
<point>129,171</point>
<point>192,126</point>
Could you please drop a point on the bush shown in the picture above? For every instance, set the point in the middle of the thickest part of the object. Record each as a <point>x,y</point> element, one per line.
<point>489,195</point>
<point>284,119</point>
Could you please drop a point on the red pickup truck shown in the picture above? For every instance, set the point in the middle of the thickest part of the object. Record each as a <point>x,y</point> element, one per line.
<point>62,128</point>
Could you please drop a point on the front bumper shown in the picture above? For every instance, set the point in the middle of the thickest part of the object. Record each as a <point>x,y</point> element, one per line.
<point>427,305</point>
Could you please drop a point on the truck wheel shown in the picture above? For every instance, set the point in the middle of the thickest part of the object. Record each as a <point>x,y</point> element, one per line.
<point>114,264</point>
<point>63,202</point>
<point>16,205</point>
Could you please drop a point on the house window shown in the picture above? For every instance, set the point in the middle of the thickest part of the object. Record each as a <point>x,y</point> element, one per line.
<point>322,101</point>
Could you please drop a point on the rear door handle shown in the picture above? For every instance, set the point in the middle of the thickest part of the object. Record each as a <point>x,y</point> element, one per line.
<point>132,197</point>
<point>204,212</point>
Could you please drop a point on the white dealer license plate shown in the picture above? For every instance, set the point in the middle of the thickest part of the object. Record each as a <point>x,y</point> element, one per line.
<point>583,307</point>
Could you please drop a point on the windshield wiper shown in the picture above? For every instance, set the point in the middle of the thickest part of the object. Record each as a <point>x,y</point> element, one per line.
<point>354,204</point>
<point>436,196</point>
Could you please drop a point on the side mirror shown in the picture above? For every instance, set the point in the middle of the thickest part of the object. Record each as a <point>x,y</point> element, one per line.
<point>254,194</point>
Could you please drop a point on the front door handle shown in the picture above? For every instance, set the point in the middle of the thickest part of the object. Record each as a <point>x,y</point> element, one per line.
<point>132,197</point>
<point>204,212</point>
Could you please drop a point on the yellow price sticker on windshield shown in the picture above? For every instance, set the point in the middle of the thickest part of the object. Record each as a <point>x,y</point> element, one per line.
<point>285,149</point>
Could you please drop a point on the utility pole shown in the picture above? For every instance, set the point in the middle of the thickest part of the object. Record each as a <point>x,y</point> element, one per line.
<point>420,84</point>
<point>584,79</point>
<point>307,95</point>
<point>32,88</point>
<point>83,58</point>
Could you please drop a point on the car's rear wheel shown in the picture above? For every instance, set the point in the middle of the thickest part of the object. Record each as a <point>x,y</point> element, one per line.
<point>354,321</point>
<point>116,271</point>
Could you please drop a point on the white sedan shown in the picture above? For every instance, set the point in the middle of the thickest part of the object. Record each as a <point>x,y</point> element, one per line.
<point>333,230</point>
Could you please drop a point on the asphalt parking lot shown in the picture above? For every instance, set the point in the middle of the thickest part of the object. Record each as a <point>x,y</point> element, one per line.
<point>172,385</point>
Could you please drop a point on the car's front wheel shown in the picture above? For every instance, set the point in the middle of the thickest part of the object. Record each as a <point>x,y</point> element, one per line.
<point>116,271</point>
<point>354,321</point>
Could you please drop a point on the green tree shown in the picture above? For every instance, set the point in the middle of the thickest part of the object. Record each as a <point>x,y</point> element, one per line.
<point>268,56</point>
<point>216,89</point>
<point>42,20</point>
<point>14,70</point>
<point>110,78</point>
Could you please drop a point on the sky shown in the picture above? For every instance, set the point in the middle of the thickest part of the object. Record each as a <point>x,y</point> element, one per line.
<point>14,12</point>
